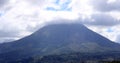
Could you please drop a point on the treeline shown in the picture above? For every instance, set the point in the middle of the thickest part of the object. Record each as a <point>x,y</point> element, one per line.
<point>73,58</point>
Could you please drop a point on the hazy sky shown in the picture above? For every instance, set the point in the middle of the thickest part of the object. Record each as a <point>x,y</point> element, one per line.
<point>19,18</point>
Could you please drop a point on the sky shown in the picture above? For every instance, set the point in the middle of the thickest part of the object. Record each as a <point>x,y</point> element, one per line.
<point>20,18</point>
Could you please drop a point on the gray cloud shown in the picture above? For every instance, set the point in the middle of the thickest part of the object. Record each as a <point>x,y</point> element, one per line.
<point>6,39</point>
<point>6,36</point>
<point>8,33</point>
<point>101,20</point>
<point>118,39</point>
<point>103,5</point>
<point>3,2</point>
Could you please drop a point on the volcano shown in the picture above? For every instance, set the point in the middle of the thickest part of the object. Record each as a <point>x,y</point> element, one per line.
<point>57,39</point>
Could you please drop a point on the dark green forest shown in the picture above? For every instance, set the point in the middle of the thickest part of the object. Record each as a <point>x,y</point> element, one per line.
<point>73,58</point>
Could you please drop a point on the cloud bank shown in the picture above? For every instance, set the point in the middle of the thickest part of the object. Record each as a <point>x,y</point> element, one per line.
<point>19,18</point>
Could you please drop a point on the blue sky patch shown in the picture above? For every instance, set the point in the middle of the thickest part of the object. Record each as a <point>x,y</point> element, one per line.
<point>109,30</point>
<point>63,6</point>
